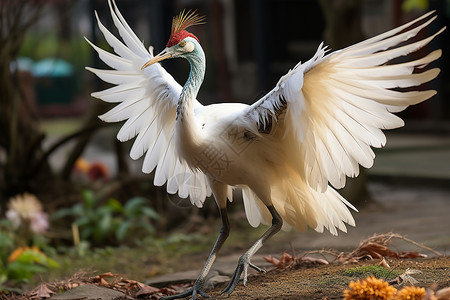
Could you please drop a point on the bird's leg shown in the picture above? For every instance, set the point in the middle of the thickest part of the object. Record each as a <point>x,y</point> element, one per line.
<point>244,260</point>
<point>197,288</point>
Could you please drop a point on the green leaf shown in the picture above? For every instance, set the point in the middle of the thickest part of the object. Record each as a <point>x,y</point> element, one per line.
<point>3,278</point>
<point>148,227</point>
<point>133,206</point>
<point>51,263</point>
<point>115,205</point>
<point>29,263</point>
<point>62,213</point>
<point>78,209</point>
<point>19,271</point>
<point>105,224</point>
<point>83,221</point>
<point>86,232</point>
<point>6,241</point>
<point>151,213</point>
<point>105,210</point>
<point>89,198</point>
<point>122,230</point>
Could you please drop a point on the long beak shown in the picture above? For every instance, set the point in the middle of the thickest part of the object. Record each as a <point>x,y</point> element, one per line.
<point>161,56</point>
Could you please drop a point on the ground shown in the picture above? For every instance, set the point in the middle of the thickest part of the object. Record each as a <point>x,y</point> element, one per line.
<point>329,281</point>
<point>302,282</point>
<point>417,212</point>
<point>417,208</point>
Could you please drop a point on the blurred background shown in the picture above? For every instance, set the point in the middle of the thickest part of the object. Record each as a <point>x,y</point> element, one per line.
<point>53,147</point>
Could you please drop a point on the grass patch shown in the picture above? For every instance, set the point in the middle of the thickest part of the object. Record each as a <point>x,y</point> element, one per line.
<point>375,270</point>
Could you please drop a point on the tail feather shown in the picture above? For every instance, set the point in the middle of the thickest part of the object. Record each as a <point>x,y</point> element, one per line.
<point>301,207</point>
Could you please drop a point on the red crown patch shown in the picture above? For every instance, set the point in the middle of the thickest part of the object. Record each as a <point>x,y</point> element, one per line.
<point>178,37</point>
<point>180,23</point>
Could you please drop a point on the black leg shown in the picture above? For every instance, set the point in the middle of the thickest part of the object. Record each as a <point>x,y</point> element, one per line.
<point>244,260</point>
<point>199,283</point>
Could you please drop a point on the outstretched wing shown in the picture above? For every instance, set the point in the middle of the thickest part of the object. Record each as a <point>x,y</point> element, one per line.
<point>335,105</point>
<point>147,100</point>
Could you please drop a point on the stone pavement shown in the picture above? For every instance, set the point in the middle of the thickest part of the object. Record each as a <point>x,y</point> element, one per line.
<point>414,156</point>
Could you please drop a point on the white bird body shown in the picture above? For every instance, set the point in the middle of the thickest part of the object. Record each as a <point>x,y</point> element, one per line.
<point>286,151</point>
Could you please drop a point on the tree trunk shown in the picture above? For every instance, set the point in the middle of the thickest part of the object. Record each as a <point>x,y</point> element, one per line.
<point>20,137</point>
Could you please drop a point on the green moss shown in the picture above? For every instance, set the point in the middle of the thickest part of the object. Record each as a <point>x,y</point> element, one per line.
<point>375,270</point>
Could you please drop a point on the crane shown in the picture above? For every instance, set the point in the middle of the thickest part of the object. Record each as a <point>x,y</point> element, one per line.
<point>288,152</point>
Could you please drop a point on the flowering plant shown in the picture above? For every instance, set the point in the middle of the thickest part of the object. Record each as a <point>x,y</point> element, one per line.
<point>20,233</point>
<point>26,213</point>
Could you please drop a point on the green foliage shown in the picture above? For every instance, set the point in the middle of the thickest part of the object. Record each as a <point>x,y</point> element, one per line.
<point>28,263</point>
<point>76,51</point>
<point>6,239</point>
<point>112,222</point>
<point>39,46</point>
<point>19,264</point>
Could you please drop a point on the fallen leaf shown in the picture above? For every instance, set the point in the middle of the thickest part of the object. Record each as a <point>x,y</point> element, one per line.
<point>443,294</point>
<point>147,290</point>
<point>273,260</point>
<point>312,260</point>
<point>408,254</point>
<point>384,263</point>
<point>41,292</point>
<point>406,277</point>
<point>181,287</point>
<point>288,261</point>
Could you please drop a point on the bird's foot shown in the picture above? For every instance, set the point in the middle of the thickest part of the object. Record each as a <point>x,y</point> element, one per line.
<point>195,290</point>
<point>242,267</point>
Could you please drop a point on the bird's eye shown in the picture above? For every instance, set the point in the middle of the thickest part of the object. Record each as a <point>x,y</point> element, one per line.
<point>182,43</point>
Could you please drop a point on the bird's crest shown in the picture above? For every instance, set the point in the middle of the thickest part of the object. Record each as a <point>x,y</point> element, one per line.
<point>179,25</point>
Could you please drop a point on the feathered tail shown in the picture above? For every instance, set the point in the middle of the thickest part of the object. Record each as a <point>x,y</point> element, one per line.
<point>301,206</point>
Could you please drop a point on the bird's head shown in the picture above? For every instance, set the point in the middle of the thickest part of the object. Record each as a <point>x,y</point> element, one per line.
<point>181,42</point>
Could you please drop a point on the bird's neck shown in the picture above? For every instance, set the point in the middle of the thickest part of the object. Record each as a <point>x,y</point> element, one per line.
<point>188,132</point>
<point>192,86</point>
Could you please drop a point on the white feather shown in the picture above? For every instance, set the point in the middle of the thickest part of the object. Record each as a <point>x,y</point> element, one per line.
<point>320,122</point>
<point>337,106</point>
<point>147,101</point>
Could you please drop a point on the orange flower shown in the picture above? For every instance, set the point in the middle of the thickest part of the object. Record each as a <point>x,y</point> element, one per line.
<point>369,288</point>
<point>81,165</point>
<point>410,293</point>
<point>16,253</point>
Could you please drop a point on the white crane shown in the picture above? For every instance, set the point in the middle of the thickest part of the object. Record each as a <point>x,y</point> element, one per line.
<point>288,151</point>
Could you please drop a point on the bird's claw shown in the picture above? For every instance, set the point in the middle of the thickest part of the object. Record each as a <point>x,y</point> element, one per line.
<point>197,289</point>
<point>242,267</point>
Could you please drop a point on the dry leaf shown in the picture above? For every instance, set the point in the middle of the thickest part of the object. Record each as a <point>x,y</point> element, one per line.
<point>406,277</point>
<point>408,254</point>
<point>376,247</point>
<point>179,288</point>
<point>443,294</point>
<point>147,290</point>
<point>289,261</point>
<point>312,260</point>
<point>384,263</point>
<point>41,292</point>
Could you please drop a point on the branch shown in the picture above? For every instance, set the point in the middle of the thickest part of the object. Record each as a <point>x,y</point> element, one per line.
<point>59,143</point>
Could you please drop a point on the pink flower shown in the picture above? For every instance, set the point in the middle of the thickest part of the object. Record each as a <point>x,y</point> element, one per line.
<point>26,209</point>
<point>39,222</point>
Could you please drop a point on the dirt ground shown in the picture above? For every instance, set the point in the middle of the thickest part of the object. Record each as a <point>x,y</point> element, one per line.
<point>399,209</point>
<point>329,281</point>
<point>304,282</point>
